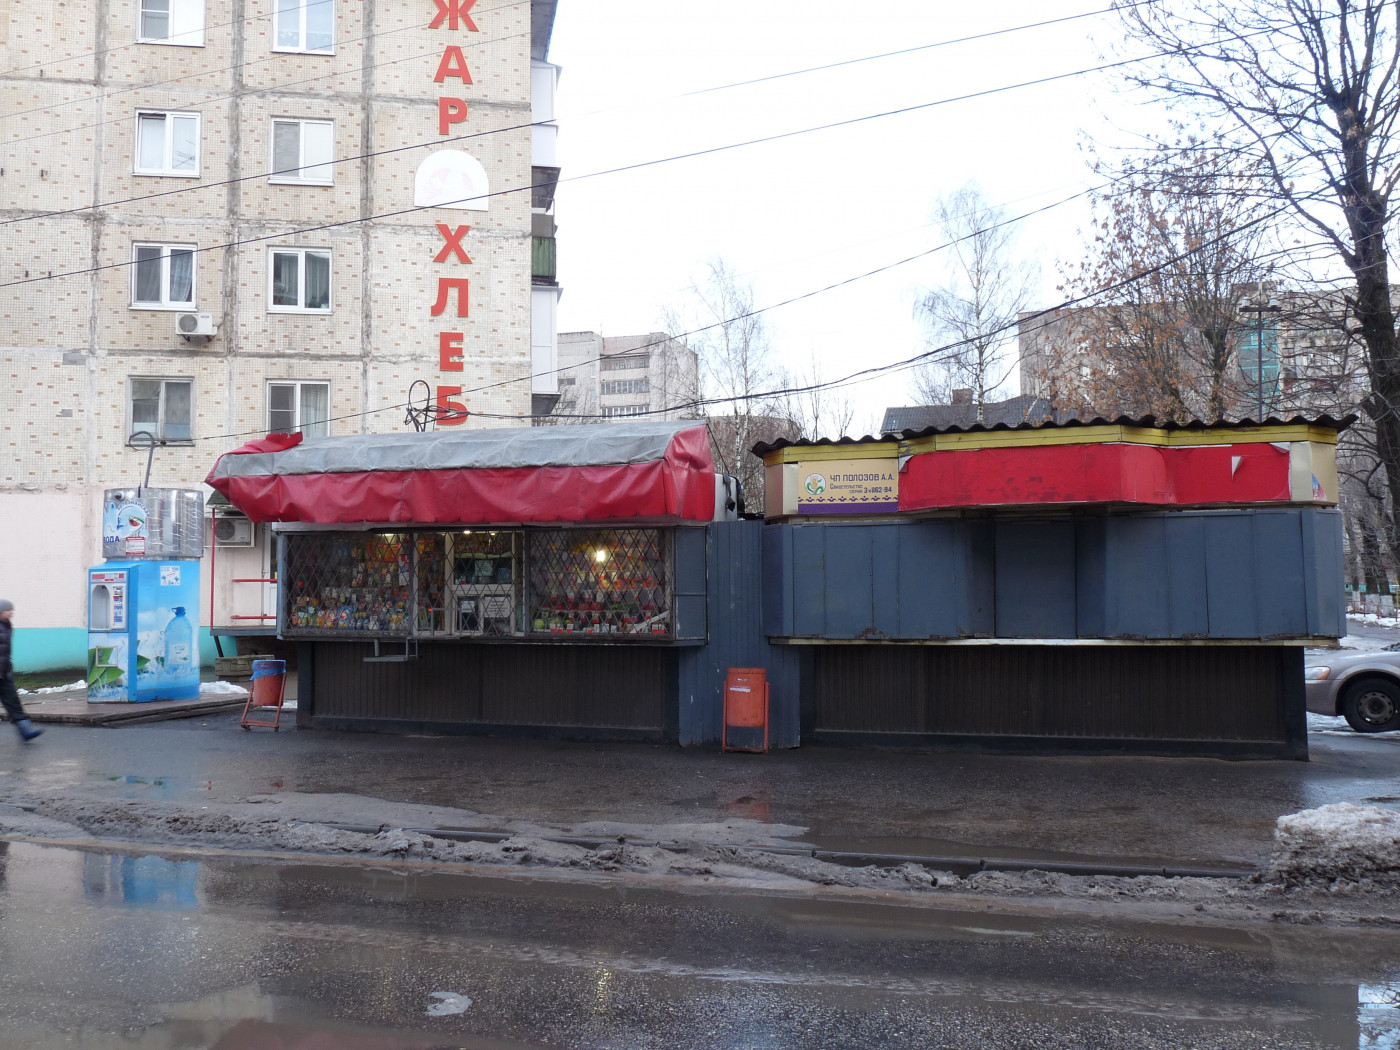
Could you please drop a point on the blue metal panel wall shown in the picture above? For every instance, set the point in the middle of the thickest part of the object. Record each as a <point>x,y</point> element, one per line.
<point>1279,590</point>
<point>777,581</point>
<point>1186,576</point>
<point>1137,578</point>
<point>1324,573</point>
<point>736,639</point>
<point>1260,573</point>
<point>1092,599</point>
<point>809,580</point>
<point>1230,575</point>
<point>1035,588</point>
<point>850,611</point>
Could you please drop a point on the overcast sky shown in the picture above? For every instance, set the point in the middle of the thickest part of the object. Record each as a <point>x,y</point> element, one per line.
<point>795,215</point>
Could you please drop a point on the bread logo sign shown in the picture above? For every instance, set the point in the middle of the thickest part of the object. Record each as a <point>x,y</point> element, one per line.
<point>815,484</point>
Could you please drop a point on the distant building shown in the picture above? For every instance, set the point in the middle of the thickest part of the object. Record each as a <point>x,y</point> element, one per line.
<point>612,377</point>
<point>1289,350</point>
<point>963,413</point>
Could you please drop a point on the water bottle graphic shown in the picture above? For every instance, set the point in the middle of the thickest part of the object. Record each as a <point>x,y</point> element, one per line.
<point>179,644</point>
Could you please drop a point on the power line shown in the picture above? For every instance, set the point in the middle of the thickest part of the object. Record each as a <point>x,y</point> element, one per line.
<point>244,65</point>
<point>443,141</point>
<point>777,136</point>
<point>921,47</point>
<point>140,43</point>
<point>693,332</point>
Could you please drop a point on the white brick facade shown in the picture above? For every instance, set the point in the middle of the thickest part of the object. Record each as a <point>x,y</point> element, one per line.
<point>72,81</point>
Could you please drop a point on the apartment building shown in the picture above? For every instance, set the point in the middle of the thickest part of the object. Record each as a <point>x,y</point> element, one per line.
<point>613,377</point>
<point>223,218</point>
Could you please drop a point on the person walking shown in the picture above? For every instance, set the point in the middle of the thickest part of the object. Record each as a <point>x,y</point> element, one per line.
<point>9,695</point>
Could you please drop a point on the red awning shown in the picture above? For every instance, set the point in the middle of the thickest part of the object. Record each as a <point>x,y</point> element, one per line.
<point>657,470</point>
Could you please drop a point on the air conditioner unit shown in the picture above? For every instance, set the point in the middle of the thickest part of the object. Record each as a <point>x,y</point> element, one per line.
<point>195,324</point>
<point>233,532</point>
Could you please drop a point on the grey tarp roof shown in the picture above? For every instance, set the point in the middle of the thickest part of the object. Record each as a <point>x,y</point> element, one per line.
<point>640,441</point>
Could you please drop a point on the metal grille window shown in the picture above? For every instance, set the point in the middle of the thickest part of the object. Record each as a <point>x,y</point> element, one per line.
<point>485,584</point>
<point>612,364</point>
<point>600,581</point>
<point>627,386</point>
<point>348,583</point>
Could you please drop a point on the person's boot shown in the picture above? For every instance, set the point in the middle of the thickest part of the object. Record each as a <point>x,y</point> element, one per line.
<point>27,730</point>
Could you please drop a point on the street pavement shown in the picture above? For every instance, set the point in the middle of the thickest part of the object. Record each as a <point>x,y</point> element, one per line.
<point>105,949</point>
<point>1181,811</point>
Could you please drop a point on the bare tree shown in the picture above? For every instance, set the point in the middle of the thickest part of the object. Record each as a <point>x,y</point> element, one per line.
<point>737,373</point>
<point>1177,241</point>
<point>817,409</point>
<point>984,289</point>
<point>1310,91</point>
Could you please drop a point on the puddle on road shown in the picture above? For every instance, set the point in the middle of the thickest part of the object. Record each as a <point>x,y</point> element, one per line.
<point>1307,986</point>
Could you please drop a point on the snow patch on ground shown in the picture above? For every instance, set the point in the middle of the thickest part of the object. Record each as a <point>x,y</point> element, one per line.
<point>1328,725</point>
<point>70,687</point>
<point>221,689</point>
<point>1372,620</point>
<point>1341,841</point>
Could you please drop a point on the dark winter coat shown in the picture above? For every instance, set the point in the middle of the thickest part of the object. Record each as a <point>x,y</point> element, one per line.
<point>5,631</point>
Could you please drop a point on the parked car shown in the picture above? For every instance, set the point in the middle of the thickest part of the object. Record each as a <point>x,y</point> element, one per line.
<point>1364,688</point>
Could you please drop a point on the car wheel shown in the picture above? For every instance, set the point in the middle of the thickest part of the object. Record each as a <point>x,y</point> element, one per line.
<point>1372,705</point>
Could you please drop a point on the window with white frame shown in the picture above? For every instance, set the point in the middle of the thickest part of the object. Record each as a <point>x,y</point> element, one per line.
<point>298,406</point>
<point>179,22</point>
<point>618,411</point>
<point>304,25</point>
<point>302,151</point>
<point>162,276</point>
<point>627,386</point>
<point>299,280</point>
<point>163,408</point>
<point>167,144</point>
<point>613,364</point>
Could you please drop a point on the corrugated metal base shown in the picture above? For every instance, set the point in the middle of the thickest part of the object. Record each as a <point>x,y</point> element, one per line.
<point>581,692</point>
<point>1227,700</point>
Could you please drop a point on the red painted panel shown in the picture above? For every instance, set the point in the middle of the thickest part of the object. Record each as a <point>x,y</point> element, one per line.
<point>1097,473</point>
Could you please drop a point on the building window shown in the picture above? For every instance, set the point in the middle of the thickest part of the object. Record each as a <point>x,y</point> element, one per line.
<point>618,411</point>
<point>297,406</point>
<point>627,386</point>
<point>178,22</point>
<point>167,144</point>
<point>304,25</point>
<point>611,364</point>
<point>162,276</point>
<point>162,408</point>
<point>302,151</point>
<point>299,281</point>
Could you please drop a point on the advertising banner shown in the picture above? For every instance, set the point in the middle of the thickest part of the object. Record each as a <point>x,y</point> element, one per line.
<point>847,486</point>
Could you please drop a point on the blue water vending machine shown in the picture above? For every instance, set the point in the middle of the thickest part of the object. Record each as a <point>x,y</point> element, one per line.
<point>143,601</point>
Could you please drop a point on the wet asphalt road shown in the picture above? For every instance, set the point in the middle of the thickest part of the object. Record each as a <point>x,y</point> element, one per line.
<point>1175,809</point>
<point>109,949</point>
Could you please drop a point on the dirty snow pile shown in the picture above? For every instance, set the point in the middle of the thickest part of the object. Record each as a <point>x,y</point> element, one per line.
<point>1373,620</point>
<point>1342,842</point>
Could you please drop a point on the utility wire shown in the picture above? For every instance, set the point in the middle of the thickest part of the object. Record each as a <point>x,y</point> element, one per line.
<point>282,86</point>
<point>444,141</point>
<point>775,137</point>
<point>693,332</point>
